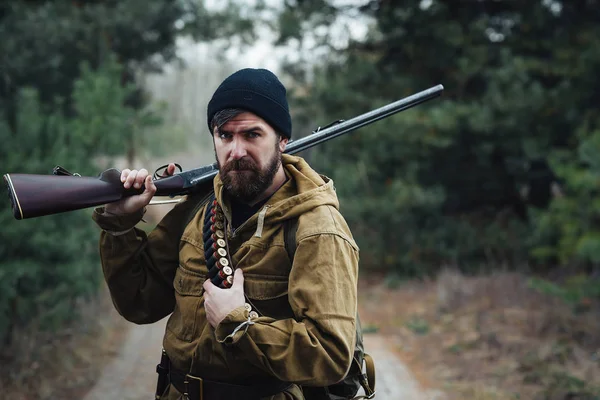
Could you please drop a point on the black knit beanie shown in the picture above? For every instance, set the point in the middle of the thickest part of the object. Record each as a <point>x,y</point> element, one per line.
<point>255,90</point>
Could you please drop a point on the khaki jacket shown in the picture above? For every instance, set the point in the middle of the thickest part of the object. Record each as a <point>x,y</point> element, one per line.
<point>306,330</point>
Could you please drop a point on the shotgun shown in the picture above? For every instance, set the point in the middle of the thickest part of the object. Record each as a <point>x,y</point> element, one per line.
<point>34,195</point>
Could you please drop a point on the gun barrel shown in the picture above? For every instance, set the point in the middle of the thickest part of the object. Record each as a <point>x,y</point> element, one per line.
<point>334,131</point>
<point>323,135</point>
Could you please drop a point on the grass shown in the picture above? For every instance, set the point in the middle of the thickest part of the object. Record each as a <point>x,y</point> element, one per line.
<point>489,337</point>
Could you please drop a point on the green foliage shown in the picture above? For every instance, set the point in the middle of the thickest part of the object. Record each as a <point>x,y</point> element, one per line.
<point>503,169</point>
<point>48,263</point>
<point>570,229</point>
<point>47,41</point>
<point>418,325</point>
<point>576,291</point>
<point>45,44</point>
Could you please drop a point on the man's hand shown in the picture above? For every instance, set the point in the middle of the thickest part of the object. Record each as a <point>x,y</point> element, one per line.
<point>135,179</point>
<point>220,302</point>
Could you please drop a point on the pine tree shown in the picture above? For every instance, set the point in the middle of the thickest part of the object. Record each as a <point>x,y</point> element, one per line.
<point>466,178</point>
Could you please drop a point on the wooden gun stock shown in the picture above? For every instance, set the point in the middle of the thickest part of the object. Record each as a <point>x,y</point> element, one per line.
<point>37,195</point>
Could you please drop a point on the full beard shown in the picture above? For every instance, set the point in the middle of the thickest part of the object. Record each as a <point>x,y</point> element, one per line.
<point>249,181</point>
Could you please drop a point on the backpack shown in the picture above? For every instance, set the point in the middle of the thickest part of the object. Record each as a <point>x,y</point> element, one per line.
<point>356,377</point>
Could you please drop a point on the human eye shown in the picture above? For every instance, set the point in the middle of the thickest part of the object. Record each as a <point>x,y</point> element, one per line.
<point>224,135</point>
<point>252,134</point>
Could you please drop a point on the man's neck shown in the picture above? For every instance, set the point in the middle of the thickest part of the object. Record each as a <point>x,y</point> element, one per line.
<point>241,211</point>
<point>278,181</point>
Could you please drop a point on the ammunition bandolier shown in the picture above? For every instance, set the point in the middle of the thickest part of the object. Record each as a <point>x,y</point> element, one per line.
<point>304,329</point>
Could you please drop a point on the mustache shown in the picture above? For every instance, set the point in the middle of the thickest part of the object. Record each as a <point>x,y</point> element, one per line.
<point>243,164</point>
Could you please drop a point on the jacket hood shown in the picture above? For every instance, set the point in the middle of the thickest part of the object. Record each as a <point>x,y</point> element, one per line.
<point>304,190</point>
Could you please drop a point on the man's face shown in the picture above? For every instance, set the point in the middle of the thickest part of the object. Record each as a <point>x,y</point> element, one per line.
<point>248,153</point>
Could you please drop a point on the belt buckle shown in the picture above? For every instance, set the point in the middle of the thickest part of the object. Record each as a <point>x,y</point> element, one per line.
<point>186,382</point>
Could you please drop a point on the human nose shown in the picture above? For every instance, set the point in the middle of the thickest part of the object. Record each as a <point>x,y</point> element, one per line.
<point>238,149</point>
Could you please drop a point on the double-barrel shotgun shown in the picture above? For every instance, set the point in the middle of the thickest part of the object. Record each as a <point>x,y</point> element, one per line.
<point>34,195</point>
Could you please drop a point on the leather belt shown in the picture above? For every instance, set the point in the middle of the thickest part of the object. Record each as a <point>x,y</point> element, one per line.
<point>196,388</point>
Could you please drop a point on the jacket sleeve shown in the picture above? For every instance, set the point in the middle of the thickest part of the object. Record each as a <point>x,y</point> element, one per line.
<point>139,269</point>
<point>316,347</point>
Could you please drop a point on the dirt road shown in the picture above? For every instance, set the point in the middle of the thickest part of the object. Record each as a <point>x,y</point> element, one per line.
<point>132,376</point>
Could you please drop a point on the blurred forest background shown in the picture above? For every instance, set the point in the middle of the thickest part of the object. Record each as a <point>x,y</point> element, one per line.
<point>495,182</point>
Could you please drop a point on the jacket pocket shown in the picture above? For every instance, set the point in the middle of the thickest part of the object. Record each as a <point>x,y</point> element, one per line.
<point>188,296</point>
<point>268,295</point>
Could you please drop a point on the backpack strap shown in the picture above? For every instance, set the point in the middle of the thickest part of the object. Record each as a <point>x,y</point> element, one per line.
<point>201,203</point>
<point>290,226</point>
<point>367,379</point>
<point>370,366</point>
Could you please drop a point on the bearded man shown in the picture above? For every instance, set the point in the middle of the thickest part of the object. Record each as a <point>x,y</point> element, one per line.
<point>247,320</point>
